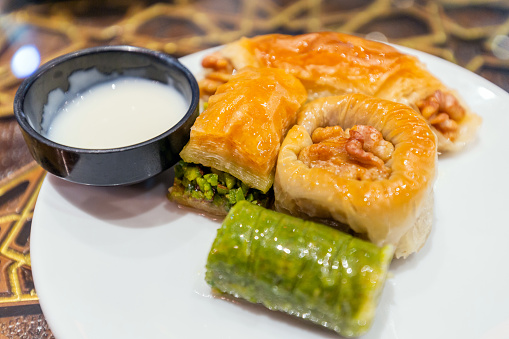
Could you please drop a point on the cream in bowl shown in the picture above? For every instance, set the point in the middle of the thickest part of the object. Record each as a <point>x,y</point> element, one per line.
<point>108,115</point>
<point>115,113</point>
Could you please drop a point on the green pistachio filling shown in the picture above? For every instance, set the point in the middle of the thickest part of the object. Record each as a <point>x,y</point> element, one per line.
<point>220,188</point>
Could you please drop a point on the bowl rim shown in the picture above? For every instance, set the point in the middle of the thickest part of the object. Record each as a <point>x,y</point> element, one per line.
<point>19,97</point>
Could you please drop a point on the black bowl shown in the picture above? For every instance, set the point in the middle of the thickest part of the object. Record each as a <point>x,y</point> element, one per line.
<point>105,167</point>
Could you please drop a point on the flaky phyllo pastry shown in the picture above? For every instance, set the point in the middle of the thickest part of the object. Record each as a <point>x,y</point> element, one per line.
<point>331,63</point>
<point>236,140</point>
<point>361,161</point>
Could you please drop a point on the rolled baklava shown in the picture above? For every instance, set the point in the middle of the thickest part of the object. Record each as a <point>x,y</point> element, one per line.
<point>302,268</point>
<point>363,162</point>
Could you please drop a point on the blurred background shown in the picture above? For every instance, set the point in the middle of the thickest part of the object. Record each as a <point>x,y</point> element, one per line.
<point>470,33</point>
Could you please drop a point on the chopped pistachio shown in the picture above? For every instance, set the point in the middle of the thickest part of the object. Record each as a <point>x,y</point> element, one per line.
<point>221,189</point>
<point>212,178</point>
<point>230,180</point>
<point>192,173</point>
<point>231,198</point>
<point>197,195</point>
<point>209,195</point>
<point>204,185</point>
<point>186,183</point>
<point>220,175</point>
<point>210,184</point>
<point>239,194</point>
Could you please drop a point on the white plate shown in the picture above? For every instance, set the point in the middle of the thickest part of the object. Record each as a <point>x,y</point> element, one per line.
<point>126,263</point>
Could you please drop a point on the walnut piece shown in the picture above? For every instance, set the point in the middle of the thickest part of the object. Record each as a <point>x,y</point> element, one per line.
<point>359,153</point>
<point>220,71</point>
<point>443,111</point>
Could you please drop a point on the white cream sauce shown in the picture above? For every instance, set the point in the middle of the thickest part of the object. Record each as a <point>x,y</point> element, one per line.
<point>116,113</point>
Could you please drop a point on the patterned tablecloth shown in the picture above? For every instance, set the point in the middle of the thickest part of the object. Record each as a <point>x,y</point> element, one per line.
<point>471,33</point>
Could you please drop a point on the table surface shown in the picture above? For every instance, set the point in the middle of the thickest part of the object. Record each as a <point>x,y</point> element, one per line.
<point>471,33</point>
